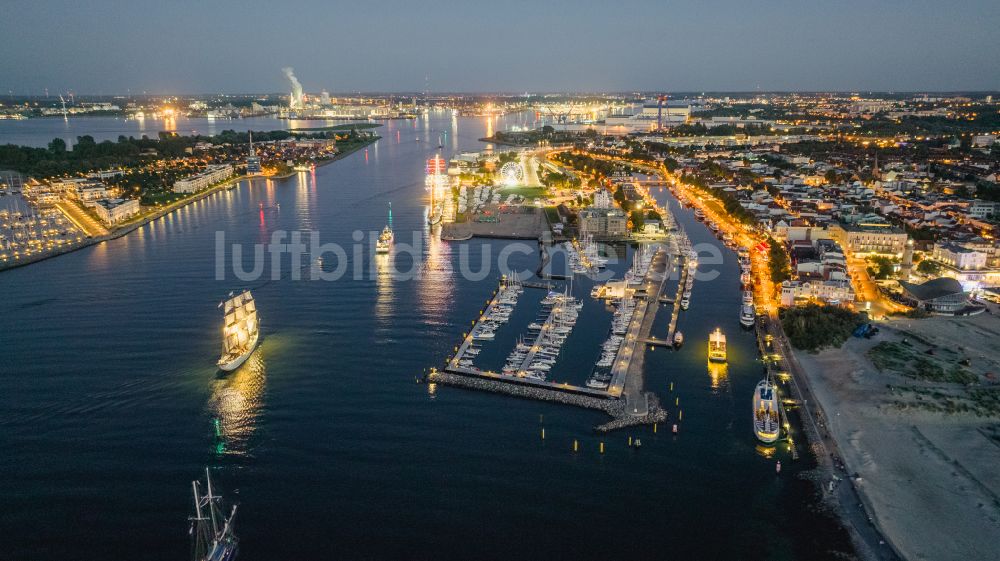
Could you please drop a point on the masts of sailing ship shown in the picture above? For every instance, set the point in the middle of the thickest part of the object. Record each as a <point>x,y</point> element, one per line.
<point>212,533</point>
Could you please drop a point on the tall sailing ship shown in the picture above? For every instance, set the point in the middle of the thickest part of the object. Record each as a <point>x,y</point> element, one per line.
<point>717,346</point>
<point>240,330</point>
<point>213,537</point>
<point>384,242</point>
<point>766,420</point>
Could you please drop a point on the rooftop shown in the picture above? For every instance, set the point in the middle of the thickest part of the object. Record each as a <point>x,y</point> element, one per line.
<point>933,289</point>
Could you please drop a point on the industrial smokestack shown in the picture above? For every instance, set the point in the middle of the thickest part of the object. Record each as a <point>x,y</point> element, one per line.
<point>296,100</point>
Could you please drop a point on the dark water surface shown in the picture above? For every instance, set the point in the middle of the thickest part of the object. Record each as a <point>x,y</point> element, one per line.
<point>110,404</point>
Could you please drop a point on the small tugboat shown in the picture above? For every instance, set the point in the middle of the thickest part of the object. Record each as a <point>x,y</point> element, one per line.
<point>717,346</point>
<point>678,339</point>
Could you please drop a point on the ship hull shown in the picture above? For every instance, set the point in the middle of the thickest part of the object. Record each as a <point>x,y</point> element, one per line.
<point>765,437</point>
<point>234,363</point>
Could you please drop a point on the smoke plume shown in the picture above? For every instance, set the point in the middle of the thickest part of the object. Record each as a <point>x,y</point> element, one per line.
<point>296,86</point>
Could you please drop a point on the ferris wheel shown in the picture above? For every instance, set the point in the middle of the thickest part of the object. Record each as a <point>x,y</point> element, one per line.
<point>512,174</point>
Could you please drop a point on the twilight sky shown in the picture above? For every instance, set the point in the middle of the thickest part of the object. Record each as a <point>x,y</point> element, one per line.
<point>209,46</point>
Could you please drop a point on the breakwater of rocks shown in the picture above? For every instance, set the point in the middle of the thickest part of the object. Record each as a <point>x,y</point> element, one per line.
<point>613,407</point>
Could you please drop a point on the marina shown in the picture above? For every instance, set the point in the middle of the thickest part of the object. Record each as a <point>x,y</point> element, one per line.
<point>535,354</point>
<point>330,388</point>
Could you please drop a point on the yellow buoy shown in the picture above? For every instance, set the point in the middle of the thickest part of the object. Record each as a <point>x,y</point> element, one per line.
<point>677,401</point>
<point>602,447</point>
<point>671,386</point>
<point>680,415</point>
<point>543,434</point>
<point>576,445</point>
<point>654,428</point>
<point>630,441</point>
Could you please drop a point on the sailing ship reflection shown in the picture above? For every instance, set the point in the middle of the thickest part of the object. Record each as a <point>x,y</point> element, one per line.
<point>237,402</point>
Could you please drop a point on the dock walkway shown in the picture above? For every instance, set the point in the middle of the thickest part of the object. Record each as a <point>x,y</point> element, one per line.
<point>676,313</point>
<point>627,379</point>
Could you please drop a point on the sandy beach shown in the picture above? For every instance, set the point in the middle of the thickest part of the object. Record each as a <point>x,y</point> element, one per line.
<point>925,450</point>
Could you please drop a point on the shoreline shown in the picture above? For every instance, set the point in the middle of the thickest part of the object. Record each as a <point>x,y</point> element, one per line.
<point>902,465</point>
<point>869,538</point>
<point>865,539</point>
<point>177,205</point>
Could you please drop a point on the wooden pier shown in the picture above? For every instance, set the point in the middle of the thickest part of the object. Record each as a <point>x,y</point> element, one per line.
<point>543,332</point>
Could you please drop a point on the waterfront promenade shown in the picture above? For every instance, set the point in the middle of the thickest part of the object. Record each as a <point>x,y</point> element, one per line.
<point>97,233</point>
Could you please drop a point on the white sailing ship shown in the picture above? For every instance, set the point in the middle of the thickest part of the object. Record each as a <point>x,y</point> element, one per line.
<point>240,330</point>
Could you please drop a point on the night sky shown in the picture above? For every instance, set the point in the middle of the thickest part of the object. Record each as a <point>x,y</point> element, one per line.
<point>510,45</point>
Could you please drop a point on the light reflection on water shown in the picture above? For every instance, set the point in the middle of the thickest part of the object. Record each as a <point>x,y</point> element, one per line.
<point>437,275</point>
<point>384,293</point>
<point>719,375</point>
<point>237,401</point>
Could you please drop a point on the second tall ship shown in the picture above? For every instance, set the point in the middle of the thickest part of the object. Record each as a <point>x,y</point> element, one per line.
<point>211,530</point>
